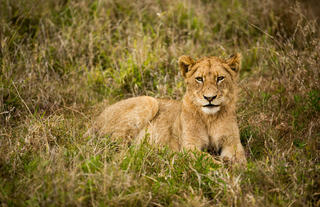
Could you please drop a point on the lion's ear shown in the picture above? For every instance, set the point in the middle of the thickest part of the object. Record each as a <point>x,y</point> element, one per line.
<point>234,62</point>
<point>184,63</point>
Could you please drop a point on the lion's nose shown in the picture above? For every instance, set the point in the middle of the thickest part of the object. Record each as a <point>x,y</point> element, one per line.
<point>210,98</point>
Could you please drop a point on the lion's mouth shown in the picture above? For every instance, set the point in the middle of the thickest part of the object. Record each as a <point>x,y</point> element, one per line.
<point>211,105</point>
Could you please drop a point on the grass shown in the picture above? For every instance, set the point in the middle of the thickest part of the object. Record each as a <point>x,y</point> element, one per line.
<point>62,61</point>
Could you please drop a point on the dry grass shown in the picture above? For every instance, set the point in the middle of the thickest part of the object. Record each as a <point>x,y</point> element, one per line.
<point>60,59</point>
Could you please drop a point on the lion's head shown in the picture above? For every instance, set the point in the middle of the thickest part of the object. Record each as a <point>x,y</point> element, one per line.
<point>210,81</point>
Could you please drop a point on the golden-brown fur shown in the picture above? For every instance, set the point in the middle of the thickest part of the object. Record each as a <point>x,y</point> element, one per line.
<point>204,119</point>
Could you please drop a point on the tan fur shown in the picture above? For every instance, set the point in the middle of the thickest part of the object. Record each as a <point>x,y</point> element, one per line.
<point>186,124</point>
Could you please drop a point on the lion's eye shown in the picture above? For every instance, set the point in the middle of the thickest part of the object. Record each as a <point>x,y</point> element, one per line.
<point>219,79</point>
<point>199,79</point>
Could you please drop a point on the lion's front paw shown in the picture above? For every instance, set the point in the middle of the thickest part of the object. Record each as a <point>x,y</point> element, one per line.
<point>240,160</point>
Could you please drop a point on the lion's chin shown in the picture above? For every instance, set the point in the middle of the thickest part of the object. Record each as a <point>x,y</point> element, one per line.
<point>210,110</point>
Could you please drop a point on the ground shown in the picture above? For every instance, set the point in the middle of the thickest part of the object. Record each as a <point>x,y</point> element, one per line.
<point>62,61</point>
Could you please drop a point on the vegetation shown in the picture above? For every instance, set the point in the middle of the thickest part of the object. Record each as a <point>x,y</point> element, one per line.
<point>60,59</point>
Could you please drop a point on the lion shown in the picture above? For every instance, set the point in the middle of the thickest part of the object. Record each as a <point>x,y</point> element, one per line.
<point>203,120</point>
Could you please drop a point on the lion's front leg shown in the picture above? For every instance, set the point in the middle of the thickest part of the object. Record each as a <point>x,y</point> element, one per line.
<point>198,146</point>
<point>196,140</point>
<point>193,135</point>
<point>234,152</point>
<point>193,142</point>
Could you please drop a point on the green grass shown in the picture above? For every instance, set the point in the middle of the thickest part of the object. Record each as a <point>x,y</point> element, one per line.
<point>62,62</point>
